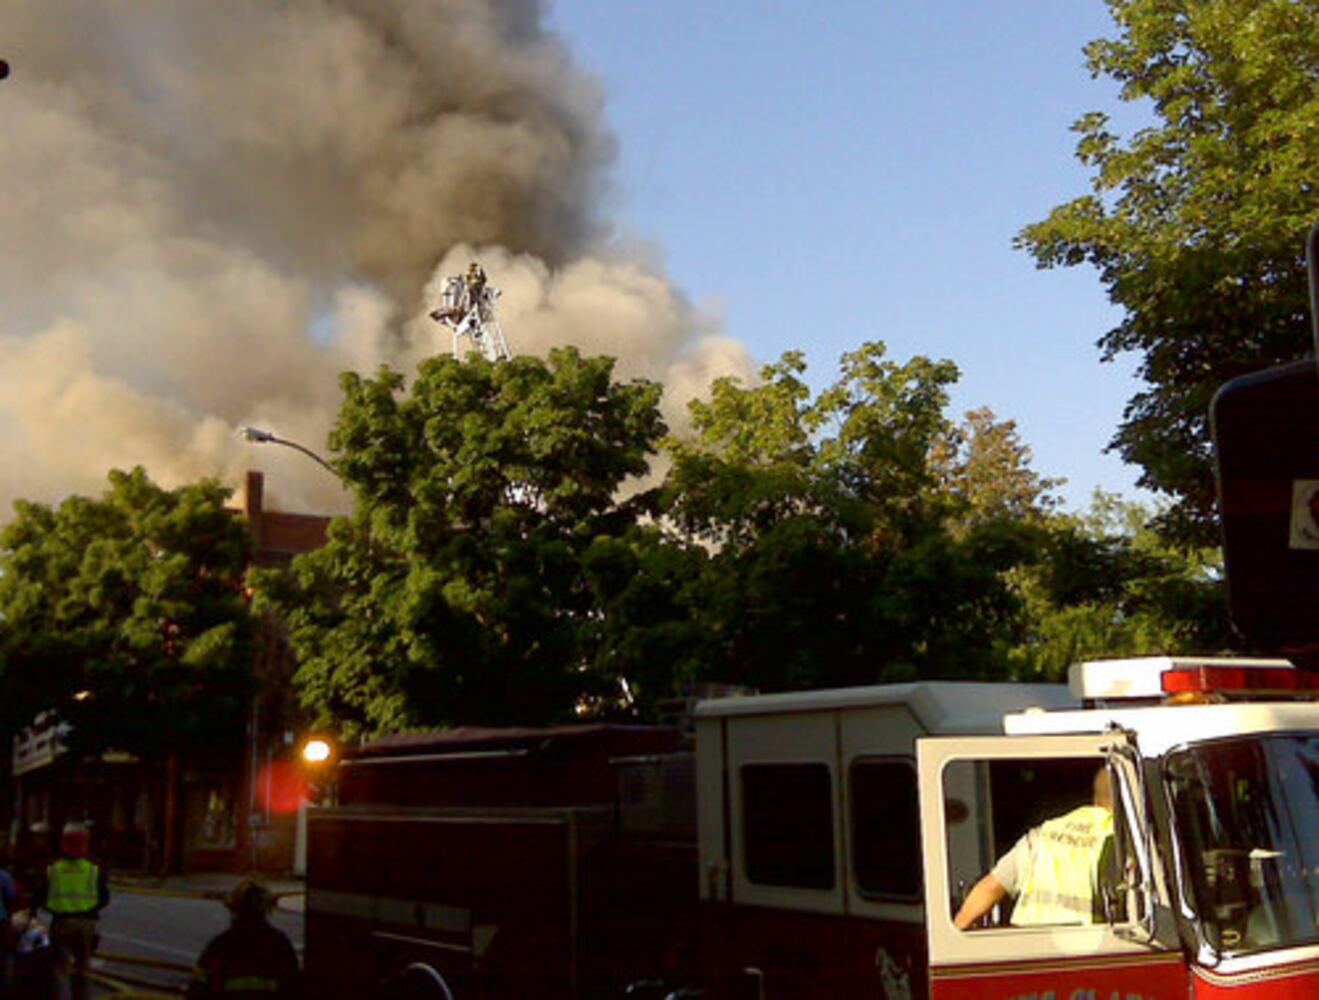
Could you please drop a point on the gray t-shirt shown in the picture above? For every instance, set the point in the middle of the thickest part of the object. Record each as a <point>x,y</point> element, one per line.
<point>1014,867</point>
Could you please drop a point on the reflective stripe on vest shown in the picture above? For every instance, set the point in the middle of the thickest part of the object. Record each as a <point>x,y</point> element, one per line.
<point>1060,888</point>
<point>72,886</point>
<point>250,984</point>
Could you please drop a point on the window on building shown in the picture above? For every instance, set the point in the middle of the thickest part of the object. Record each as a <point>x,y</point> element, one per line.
<point>787,825</point>
<point>886,840</point>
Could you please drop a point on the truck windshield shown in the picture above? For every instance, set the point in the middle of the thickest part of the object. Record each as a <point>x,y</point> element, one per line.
<point>1247,814</point>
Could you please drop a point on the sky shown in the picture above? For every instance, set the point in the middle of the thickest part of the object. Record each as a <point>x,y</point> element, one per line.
<point>211,211</point>
<point>824,174</point>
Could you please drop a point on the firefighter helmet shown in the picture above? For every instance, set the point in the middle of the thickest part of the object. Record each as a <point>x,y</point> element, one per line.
<point>75,840</point>
<point>249,899</point>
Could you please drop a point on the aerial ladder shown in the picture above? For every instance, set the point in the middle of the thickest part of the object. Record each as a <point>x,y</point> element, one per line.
<point>468,309</point>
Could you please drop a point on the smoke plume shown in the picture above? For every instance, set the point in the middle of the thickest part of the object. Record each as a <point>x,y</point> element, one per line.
<point>211,209</point>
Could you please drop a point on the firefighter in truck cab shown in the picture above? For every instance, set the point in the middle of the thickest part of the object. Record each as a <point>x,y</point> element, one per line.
<point>1054,870</point>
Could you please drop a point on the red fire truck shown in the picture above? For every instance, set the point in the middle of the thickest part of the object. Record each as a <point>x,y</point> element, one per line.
<point>510,862</point>
<point>817,844</point>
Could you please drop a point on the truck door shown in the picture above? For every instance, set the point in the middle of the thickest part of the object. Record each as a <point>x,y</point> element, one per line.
<point>978,796</point>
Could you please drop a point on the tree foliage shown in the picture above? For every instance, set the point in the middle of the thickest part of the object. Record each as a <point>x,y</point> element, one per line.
<point>836,552</point>
<point>504,566</point>
<point>467,585</point>
<point>124,614</point>
<point>1105,584</point>
<point>1197,223</point>
<point>984,463</point>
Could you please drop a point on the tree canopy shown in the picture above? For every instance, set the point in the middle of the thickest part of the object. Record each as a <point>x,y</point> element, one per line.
<point>125,615</point>
<point>463,588</point>
<point>1197,223</point>
<point>1105,584</point>
<point>504,563</point>
<point>841,547</point>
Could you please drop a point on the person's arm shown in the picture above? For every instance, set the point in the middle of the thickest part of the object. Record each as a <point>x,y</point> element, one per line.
<point>1004,879</point>
<point>982,898</point>
<point>204,975</point>
<point>41,891</point>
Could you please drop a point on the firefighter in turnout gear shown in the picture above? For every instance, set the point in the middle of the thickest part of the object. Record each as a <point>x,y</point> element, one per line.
<point>1053,871</point>
<point>76,891</point>
<point>252,960</point>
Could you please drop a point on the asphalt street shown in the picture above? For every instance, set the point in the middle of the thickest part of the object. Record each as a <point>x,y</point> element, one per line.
<point>153,937</point>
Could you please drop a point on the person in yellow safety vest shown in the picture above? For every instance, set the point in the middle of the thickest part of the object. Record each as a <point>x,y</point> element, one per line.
<point>252,960</point>
<point>1053,870</point>
<point>76,891</point>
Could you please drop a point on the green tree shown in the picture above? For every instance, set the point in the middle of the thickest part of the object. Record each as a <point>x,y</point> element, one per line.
<point>828,526</point>
<point>470,583</point>
<point>985,464</point>
<point>125,615</point>
<point>1106,584</point>
<point>747,463</point>
<point>648,642</point>
<point>1197,223</point>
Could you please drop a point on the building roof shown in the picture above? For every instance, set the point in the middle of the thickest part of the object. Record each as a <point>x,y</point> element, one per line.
<point>277,536</point>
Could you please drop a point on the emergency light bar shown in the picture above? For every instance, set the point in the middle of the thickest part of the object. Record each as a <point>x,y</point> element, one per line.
<point>1155,677</point>
<point>1246,680</point>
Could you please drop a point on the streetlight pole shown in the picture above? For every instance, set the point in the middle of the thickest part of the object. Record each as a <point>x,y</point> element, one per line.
<point>258,436</point>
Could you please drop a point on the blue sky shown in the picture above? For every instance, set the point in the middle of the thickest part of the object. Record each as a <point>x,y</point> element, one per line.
<point>822,174</point>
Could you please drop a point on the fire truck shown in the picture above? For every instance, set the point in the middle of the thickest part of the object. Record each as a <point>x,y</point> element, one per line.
<point>814,845</point>
<point>818,844</point>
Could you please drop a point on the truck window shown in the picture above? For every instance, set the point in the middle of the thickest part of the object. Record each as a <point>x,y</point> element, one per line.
<point>996,814</point>
<point>886,843</point>
<point>1247,810</point>
<point>787,817</point>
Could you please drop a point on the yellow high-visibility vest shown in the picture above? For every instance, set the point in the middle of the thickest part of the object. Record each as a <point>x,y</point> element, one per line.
<point>1061,885</point>
<point>72,886</point>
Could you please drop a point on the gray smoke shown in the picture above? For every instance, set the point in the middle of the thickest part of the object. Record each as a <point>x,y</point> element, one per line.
<point>210,209</point>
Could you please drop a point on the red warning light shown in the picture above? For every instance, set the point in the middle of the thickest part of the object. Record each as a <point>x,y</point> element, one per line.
<point>1241,680</point>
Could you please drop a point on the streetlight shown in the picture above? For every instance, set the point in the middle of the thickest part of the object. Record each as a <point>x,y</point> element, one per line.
<point>319,769</point>
<point>258,436</point>
<point>317,750</point>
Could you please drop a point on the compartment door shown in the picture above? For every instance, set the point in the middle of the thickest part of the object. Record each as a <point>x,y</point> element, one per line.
<point>783,806</point>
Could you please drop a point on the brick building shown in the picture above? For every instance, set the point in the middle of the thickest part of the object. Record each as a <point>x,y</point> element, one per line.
<point>228,807</point>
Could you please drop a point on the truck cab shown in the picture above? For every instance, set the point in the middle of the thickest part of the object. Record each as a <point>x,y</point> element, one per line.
<point>840,831</point>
